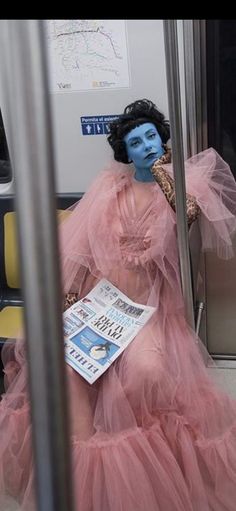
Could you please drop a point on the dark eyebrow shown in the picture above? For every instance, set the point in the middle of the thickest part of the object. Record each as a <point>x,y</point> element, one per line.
<point>152,130</point>
<point>133,138</point>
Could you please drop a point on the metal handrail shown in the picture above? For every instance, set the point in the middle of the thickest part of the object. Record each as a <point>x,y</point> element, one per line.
<point>23,66</point>
<point>172,69</point>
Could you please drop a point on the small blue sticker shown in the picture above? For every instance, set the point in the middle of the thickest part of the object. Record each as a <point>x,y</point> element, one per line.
<point>97,124</point>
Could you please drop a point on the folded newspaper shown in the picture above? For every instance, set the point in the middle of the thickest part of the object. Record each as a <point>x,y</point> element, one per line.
<point>99,327</point>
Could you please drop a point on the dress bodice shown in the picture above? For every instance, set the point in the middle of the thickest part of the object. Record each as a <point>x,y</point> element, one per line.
<point>136,208</point>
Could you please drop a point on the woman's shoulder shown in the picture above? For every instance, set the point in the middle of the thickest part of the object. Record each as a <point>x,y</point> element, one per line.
<point>115,170</point>
<point>114,176</point>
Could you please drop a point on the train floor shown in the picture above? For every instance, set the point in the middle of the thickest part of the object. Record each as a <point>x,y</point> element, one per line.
<point>226,378</point>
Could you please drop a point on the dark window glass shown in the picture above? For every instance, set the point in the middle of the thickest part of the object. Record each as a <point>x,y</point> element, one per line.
<point>221,79</point>
<point>5,165</point>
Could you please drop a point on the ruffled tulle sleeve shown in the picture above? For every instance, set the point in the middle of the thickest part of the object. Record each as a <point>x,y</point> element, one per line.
<point>89,237</point>
<point>210,180</point>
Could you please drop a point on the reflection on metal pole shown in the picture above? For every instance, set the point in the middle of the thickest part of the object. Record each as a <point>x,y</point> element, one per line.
<point>172,69</point>
<point>194,36</point>
<point>190,85</point>
<point>29,109</point>
<point>195,83</point>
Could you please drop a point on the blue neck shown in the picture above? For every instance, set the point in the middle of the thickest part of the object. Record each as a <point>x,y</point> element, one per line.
<point>143,175</point>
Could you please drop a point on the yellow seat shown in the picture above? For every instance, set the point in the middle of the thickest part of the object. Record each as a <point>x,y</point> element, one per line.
<point>11,321</point>
<point>11,311</point>
<point>11,249</point>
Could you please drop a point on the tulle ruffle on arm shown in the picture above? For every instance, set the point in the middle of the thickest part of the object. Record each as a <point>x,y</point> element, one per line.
<point>210,181</point>
<point>83,259</point>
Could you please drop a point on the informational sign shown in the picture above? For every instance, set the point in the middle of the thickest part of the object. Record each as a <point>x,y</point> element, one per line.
<point>87,55</point>
<point>97,124</point>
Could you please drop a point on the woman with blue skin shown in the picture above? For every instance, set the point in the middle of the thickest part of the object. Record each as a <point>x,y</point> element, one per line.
<point>144,148</point>
<point>153,433</point>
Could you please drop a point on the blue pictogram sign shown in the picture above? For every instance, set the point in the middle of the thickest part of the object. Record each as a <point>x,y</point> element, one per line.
<point>97,124</point>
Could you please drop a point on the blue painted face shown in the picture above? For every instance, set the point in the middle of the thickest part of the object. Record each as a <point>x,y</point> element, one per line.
<point>144,147</point>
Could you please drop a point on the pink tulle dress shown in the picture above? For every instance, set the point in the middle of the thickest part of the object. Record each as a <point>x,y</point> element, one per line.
<point>163,435</point>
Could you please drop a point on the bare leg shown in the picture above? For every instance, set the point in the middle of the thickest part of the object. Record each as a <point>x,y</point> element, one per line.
<point>81,419</point>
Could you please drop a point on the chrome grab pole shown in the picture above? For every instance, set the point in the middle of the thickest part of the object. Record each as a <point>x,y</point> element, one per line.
<point>172,69</point>
<point>23,59</point>
<point>194,39</point>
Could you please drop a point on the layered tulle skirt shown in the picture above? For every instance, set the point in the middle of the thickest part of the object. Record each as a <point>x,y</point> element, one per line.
<point>164,436</point>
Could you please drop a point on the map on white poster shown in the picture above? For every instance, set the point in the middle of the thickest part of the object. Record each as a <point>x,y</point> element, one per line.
<point>87,55</point>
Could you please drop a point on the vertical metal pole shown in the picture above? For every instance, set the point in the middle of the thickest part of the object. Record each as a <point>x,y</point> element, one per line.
<point>194,35</point>
<point>29,108</point>
<point>190,84</point>
<point>172,69</point>
<point>195,83</point>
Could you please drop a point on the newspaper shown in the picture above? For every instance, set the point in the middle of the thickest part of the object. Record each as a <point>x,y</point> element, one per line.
<point>99,327</point>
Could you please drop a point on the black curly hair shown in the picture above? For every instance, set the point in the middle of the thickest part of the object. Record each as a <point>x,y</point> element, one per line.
<point>137,113</point>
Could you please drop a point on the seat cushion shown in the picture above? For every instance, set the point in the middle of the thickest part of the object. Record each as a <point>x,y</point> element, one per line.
<point>11,321</point>
<point>11,248</point>
<point>11,251</point>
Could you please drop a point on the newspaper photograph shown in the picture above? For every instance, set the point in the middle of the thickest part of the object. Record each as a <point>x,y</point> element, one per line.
<point>99,327</point>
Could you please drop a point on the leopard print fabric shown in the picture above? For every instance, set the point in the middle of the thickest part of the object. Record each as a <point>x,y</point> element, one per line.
<point>166,184</point>
<point>70,299</point>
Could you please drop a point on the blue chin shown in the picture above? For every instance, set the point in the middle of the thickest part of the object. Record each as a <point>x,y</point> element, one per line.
<point>152,159</point>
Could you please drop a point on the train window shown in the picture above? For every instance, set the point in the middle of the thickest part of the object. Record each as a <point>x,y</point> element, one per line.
<point>221,97</point>
<point>5,164</point>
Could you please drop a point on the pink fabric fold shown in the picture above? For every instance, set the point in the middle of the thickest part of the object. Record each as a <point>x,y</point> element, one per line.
<point>209,179</point>
<point>164,435</point>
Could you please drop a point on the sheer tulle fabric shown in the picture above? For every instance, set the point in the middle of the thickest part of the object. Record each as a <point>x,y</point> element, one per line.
<point>164,435</point>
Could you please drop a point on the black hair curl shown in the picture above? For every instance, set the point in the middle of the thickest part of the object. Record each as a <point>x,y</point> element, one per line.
<point>137,113</point>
